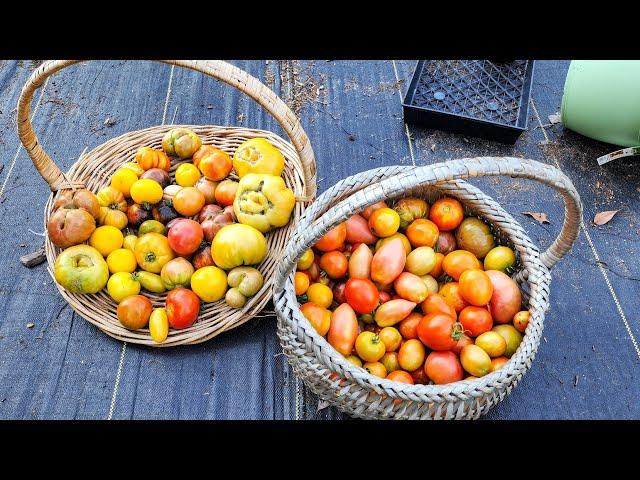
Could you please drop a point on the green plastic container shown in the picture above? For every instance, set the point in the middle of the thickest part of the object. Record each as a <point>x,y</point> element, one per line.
<point>602,100</point>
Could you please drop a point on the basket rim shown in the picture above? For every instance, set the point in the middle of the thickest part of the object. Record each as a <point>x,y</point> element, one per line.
<point>400,390</point>
<point>254,304</point>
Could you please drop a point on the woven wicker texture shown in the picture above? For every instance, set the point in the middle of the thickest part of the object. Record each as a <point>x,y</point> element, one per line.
<point>352,389</point>
<point>95,168</point>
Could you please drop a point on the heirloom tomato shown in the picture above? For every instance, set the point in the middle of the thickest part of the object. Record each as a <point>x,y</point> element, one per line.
<point>134,312</point>
<point>446,243</point>
<point>151,281</point>
<point>81,269</point>
<point>112,198</point>
<point>443,367</point>
<point>369,347</point>
<point>122,285</point>
<point>181,142</point>
<point>148,158</point>
<point>176,273</point>
<point>158,325</point>
<point>185,236</point>
<point>215,164</point>
<point>157,175</point>
<point>458,261</point>
<point>475,236</point>
<point>358,231</point>
<point>390,361</point>
<point>115,218</point>
<point>121,260</point>
<point>344,329</point>
<point>388,262</point>
<point>319,318</point>
<point>187,175</point>
<point>146,191</point>
<point>384,222</point>
<point>152,251</point>
<point>475,287</point>
<point>409,209</point>
<point>208,189</point>
<point>393,311</point>
<point>492,343</point>
<point>209,283</point>
<point>138,214</point>
<point>447,213</point>
<point>306,260</point>
<point>182,306</point>
<point>226,192</point>
<point>366,213</point>
<point>106,239</point>
<point>475,320</point>
<point>151,226</point>
<point>435,303</point>
<point>439,331</point>
<point>475,360</point>
<point>333,239</point>
<point>320,295</point>
<point>259,156</point>
<point>421,261</point>
<point>247,280</point>
<point>451,294</point>
<point>188,201</point>
<point>512,336</point>
<point>376,369</point>
<point>500,258</point>
<point>334,263</point>
<point>238,244</point>
<point>122,180</point>
<point>506,300</point>
<point>360,262</point>
<point>301,283</point>
<point>422,233</point>
<point>361,294</point>
<point>411,355</point>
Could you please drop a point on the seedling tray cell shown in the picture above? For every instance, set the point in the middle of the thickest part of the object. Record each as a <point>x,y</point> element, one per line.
<point>481,98</point>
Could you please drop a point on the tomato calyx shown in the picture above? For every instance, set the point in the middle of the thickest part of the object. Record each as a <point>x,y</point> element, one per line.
<point>150,257</point>
<point>147,206</point>
<point>457,332</point>
<point>303,298</point>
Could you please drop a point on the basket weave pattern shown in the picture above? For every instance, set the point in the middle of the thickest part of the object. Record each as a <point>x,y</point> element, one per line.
<point>93,170</point>
<point>354,391</point>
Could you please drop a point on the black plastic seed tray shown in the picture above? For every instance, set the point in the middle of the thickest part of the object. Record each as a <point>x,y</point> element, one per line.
<point>481,98</point>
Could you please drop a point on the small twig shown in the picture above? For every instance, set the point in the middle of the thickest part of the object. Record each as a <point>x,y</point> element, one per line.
<point>40,234</point>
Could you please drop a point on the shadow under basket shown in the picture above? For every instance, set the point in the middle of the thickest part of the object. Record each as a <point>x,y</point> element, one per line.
<point>93,170</point>
<point>352,389</point>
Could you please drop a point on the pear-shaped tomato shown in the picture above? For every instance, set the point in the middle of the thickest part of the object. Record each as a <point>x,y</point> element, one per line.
<point>393,311</point>
<point>344,329</point>
<point>411,287</point>
<point>506,299</point>
<point>360,262</point>
<point>358,231</point>
<point>388,262</point>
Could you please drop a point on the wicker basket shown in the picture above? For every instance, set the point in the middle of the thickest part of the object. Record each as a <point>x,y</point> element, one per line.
<point>94,169</point>
<point>354,391</point>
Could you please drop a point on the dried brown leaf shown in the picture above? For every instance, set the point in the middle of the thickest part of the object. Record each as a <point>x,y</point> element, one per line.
<point>540,217</point>
<point>603,218</point>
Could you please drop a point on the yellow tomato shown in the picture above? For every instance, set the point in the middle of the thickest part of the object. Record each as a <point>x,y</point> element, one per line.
<point>159,325</point>
<point>134,167</point>
<point>106,239</point>
<point>320,294</point>
<point>187,175</point>
<point>121,260</point>
<point>152,252</point>
<point>146,190</point>
<point>306,260</point>
<point>130,242</point>
<point>209,283</point>
<point>122,180</point>
<point>122,285</point>
<point>258,155</point>
<point>115,218</point>
<point>151,281</point>
<point>238,244</point>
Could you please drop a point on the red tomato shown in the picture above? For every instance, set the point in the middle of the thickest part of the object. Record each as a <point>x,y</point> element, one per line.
<point>366,213</point>
<point>182,307</point>
<point>400,376</point>
<point>436,303</point>
<point>411,287</point>
<point>358,231</point>
<point>344,329</point>
<point>420,376</point>
<point>338,292</point>
<point>384,297</point>
<point>226,192</point>
<point>506,300</point>
<point>360,262</point>
<point>475,287</point>
<point>475,320</point>
<point>409,325</point>
<point>439,331</point>
<point>335,264</point>
<point>458,261</point>
<point>388,262</point>
<point>185,236</point>
<point>463,342</point>
<point>333,239</point>
<point>362,295</point>
<point>443,367</point>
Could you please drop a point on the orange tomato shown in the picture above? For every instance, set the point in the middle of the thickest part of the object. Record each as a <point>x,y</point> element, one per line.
<point>521,320</point>
<point>400,376</point>
<point>475,287</point>
<point>451,294</point>
<point>226,192</point>
<point>334,263</point>
<point>411,355</point>
<point>320,294</point>
<point>411,287</point>
<point>319,318</point>
<point>188,201</point>
<point>333,239</point>
<point>360,262</point>
<point>422,233</point>
<point>437,271</point>
<point>215,164</point>
<point>384,222</point>
<point>408,326</point>
<point>447,213</point>
<point>435,303</point>
<point>391,338</point>
<point>388,262</point>
<point>366,213</point>
<point>497,363</point>
<point>458,261</point>
<point>375,368</point>
<point>301,281</point>
<point>475,320</point>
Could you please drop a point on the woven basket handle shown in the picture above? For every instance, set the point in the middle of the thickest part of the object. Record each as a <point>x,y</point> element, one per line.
<point>224,71</point>
<point>358,191</point>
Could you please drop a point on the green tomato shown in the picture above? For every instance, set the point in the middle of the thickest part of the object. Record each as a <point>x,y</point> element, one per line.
<point>81,269</point>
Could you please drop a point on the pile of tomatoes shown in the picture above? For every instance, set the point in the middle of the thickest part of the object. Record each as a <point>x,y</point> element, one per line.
<point>196,235</point>
<point>414,293</point>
